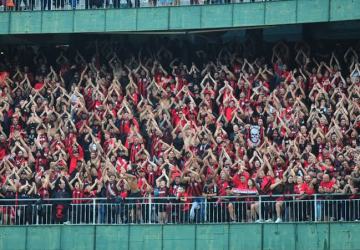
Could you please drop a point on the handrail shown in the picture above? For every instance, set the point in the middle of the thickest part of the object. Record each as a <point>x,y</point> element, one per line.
<point>189,197</point>
<point>60,5</point>
<point>159,210</point>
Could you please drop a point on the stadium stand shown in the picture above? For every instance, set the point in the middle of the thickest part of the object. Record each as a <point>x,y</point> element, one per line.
<point>173,133</point>
<point>30,5</point>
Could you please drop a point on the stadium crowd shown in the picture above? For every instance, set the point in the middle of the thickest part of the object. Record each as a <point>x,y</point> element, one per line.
<point>188,123</point>
<point>26,5</point>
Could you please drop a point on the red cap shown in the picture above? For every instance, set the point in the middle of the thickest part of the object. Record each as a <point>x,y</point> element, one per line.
<point>97,104</point>
<point>38,85</point>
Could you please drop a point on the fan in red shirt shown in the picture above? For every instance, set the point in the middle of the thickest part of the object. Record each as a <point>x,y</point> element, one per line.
<point>163,192</point>
<point>225,190</point>
<point>76,154</point>
<point>195,186</point>
<point>77,195</point>
<point>3,147</point>
<point>212,115</point>
<point>327,187</point>
<point>184,204</point>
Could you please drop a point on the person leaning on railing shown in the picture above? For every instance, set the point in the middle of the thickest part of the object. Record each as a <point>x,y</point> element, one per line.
<point>264,180</point>
<point>194,182</point>
<point>8,189</point>
<point>77,195</point>
<point>62,192</point>
<point>25,192</point>
<point>347,205</point>
<point>278,188</point>
<point>326,205</point>
<point>240,186</point>
<point>209,192</point>
<point>90,192</point>
<point>162,191</point>
<point>113,209</point>
<point>354,206</point>
<point>223,202</point>
<point>300,210</point>
<point>304,210</point>
<point>183,209</point>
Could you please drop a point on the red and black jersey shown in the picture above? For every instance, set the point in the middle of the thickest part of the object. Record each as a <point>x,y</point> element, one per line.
<point>134,149</point>
<point>90,195</point>
<point>18,161</point>
<point>174,189</point>
<point>111,190</point>
<point>266,183</point>
<point>185,201</point>
<point>142,85</point>
<point>195,189</point>
<point>44,192</point>
<point>77,194</point>
<point>4,149</point>
<point>150,177</point>
<point>163,192</point>
<point>223,186</point>
<point>124,127</point>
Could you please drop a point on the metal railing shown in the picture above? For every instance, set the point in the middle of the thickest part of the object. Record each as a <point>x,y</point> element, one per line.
<point>31,5</point>
<point>153,210</point>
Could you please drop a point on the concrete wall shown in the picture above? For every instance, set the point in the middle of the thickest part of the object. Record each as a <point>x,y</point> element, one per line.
<point>180,18</point>
<point>303,236</point>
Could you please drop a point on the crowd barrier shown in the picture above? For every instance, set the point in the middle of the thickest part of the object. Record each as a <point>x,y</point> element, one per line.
<point>172,210</point>
<point>34,5</point>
